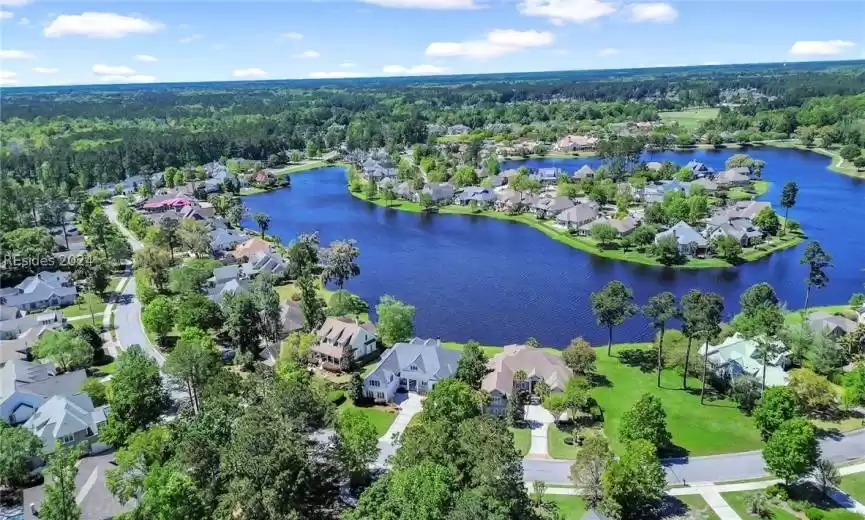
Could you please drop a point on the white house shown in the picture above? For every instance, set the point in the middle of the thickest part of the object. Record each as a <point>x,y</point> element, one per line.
<point>69,420</point>
<point>415,366</point>
<point>738,355</point>
<point>336,336</point>
<point>25,386</point>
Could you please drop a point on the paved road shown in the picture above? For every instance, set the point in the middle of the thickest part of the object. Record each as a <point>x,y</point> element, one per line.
<point>715,468</point>
<point>111,213</point>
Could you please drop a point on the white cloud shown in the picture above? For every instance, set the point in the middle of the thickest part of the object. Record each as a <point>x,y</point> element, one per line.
<point>609,51</point>
<point>146,58</point>
<point>498,43</point>
<point>820,48</point>
<point>24,21</point>
<point>252,72</point>
<point>5,15</point>
<point>112,70</point>
<point>653,12</point>
<point>6,74</point>
<point>45,70</point>
<point>13,54</point>
<point>335,74</point>
<point>416,69</point>
<point>135,78</point>
<point>14,2</point>
<point>559,11</point>
<point>308,54</point>
<point>99,25</point>
<point>191,38</point>
<point>290,36</point>
<point>441,5</point>
<point>347,65</point>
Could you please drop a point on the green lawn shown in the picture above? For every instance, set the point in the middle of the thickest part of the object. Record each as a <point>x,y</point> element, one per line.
<point>755,190</point>
<point>795,317</point>
<point>737,502</point>
<point>522,439</point>
<point>380,416</point>
<point>104,370</point>
<point>716,427</point>
<point>79,309</point>
<point>556,443</point>
<point>854,485</point>
<point>689,119</point>
<point>571,507</point>
<point>697,504</point>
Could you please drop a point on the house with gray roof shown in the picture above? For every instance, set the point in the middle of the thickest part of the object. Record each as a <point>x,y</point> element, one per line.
<point>654,192</point>
<point>708,185</point>
<point>690,241</point>
<point>234,286</point>
<point>265,261</point>
<point>440,192</point>
<point>550,207</point>
<point>225,239</point>
<point>19,348</point>
<point>10,329</point>
<point>733,177</point>
<point>577,216</point>
<point>654,166</point>
<point>834,326</point>
<point>25,386</point>
<point>91,492</point>
<point>70,420</point>
<point>738,355</point>
<point>45,289</point>
<point>481,196</point>
<point>537,364</point>
<point>741,229</point>
<point>585,172</point>
<point>496,180</point>
<point>547,176</point>
<point>415,366</point>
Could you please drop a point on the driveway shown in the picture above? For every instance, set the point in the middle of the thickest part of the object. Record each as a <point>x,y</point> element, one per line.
<point>539,420</point>
<point>409,406</point>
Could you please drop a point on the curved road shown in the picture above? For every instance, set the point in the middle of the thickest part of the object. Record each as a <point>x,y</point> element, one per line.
<point>714,468</point>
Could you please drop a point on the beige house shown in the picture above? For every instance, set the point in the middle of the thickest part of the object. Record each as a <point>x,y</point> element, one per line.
<point>336,336</point>
<point>570,143</point>
<point>536,363</point>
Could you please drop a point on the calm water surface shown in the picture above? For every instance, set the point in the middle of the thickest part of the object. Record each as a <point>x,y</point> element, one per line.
<point>501,282</point>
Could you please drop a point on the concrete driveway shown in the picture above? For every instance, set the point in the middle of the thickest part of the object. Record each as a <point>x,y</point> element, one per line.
<point>409,406</point>
<point>539,420</point>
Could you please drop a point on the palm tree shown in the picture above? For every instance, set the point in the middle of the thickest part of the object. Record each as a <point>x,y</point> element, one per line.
<point>263,222</point>
<point>660,309</point>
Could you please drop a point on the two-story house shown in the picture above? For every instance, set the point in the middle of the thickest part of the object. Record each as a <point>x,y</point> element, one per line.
<point>45,289</point>
<point>338,335</point>
<point>415,366</point>
<point>25,386</point>
<point>537,365</point>
<point>69,420</point>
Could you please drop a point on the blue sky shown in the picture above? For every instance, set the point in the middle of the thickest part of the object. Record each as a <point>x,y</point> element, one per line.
<point>69,42</point>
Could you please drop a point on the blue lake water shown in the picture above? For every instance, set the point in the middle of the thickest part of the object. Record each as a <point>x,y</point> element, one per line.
<point>501,282</point>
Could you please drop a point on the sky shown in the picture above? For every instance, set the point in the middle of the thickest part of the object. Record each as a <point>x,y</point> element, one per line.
<point>65,42</point>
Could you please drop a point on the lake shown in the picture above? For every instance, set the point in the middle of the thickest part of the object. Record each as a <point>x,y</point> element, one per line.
<point>500,282</point>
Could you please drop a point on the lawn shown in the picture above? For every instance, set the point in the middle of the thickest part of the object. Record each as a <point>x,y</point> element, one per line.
<point>754,191</point>
<point>79,309</point>
<point>380,416</point>
<point>522,439</point>
<point>689,119</point>
<point>795,317</point>
<point>556,443</point>
<point>571,507</point>
<point>697,504</point>
<point>803,496</point>
<point>737,502</point>
<point>713,428</point>
<point>854,485</point>
<point>716,427</point>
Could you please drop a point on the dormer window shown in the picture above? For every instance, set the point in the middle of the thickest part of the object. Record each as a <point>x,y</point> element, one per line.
<point>413,368</point>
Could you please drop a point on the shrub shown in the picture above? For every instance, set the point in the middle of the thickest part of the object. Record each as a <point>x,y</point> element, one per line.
<point>814,514</point>
<point>777,491</point>
<point>857,299</point>
<point>758,504</point>
<point>337,397</point>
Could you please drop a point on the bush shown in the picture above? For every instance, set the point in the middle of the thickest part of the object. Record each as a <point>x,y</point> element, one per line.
<point>814,514</point>
<point>857,299</point>
<point>295,296</point>
<point>777,491</point>
<point>337,397</point>
<point>758,504</point>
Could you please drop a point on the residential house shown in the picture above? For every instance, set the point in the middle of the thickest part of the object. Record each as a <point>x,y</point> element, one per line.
<point>265,262</point>
<point>699,169</point>
<point>585,172</point>
<point>44,289</point>
<point>441,192</point>
<point>571,143</point>
<point>458,129</point>
<point>338,335</point>
<point>13,328</point>
<point>496,180</point>
<point>738,355</point>
<point>690,241</point>
<point>250,248</point>
<point>742,229</point>
<point>656,191</point>
<point>70,420</point>
<point>291,317</point>
<point>225,239</point>
<point>166,202</point>
<point>834,326</point>
<point>732,177</point>
<point>509,174</point>
<point>25,386</point>
<point>234,286</point>
<point>577,216</point>
<point>537,364</point>
<point>654,166</point>
<point>202,212</point>
<point>415,366</point>
<point>546,208</point>
<point>709,186</point>
<point>483,197</point>
<point>91,493</point>
<point>624,226</point>
<point>19,348</point>
<point>404,190</point>
<point>749,208</point>
<point>547,176</point>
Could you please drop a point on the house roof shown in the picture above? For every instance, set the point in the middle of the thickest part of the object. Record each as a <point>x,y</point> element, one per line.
<point>742,351</point>
<point>39,287</point>
<point>264,261</point>
<point>578,214</point>
<point>534,362</point>
<point>820,321</point>
<point>38,379</point>
<point>225,273</point>
<point>233,286</point>
<point>63,415</point>
<point>18,348</point>
<point>292,318</point>
<point>9,312</point>
<point>50,319</point>
<point>684,234</point>
<point>555,204</point>
<point>342,331</point>
<point>225,238</point>
<point>437,362</point>
<point>251,247</point>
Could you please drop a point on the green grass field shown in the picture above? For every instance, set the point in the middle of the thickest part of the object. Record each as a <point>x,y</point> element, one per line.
<point>697,505</point>
<point>571,507</point>
<point>522,439</point>
<point>689,119</point>
<point>854,485</point>
<point>381,417</point>
<point>79,309</point>
<point>795,317</point>
<point>738,500</point>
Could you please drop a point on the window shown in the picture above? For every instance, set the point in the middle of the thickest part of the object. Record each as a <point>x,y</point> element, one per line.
<point>379,396</point>
<point>66,439</point>
<point>375,383</point>
<point>413,368</point>
<point>497,400</point>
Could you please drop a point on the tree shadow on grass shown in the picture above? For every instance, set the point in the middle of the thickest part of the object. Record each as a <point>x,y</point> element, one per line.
<point>673,507</point>
<point>600,380</point>
<point>645,360</point>
<point>673,451</point>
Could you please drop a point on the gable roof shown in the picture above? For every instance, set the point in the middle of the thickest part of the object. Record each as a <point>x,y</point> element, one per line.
<point>63,415</point>
<point>342,330</point>
<point>684,234</point>
<point>437,362</point>
<point>534,362</point>
<point>578,214</point>
<point>820,321</point>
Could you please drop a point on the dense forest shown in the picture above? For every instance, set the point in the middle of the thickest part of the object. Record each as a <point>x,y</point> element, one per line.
<point>80,136</point>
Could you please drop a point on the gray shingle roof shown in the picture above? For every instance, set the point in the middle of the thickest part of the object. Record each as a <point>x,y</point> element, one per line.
<point>437,362</point>
<point>684,234</point>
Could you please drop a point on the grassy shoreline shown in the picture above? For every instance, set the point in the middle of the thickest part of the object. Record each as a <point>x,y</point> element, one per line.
<point>587,244</point>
